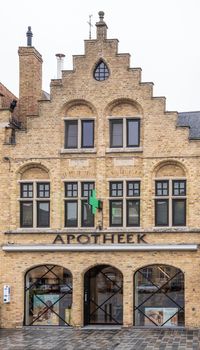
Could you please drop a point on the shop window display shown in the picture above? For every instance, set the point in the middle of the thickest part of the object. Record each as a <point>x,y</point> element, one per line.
<point>48,296</point>
<point>159,296</point>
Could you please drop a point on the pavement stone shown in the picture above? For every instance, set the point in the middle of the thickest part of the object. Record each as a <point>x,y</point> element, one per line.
<point>96,339</point>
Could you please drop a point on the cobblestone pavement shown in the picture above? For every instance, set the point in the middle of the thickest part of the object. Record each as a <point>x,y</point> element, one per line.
<point>88,339</point>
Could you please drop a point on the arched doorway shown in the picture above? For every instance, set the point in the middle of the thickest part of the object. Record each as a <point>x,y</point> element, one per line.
<point>48,296</point>
<point>103,295</point>
<point>159,296</point>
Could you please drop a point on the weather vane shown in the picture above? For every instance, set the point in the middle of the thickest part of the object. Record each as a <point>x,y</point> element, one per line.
<point>90,26</point>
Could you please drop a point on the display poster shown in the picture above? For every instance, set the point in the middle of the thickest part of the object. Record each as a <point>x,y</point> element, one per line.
<point>43,314</point>
<point>159,315</point>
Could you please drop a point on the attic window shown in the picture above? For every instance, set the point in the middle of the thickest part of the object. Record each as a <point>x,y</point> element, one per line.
<point>101,71</point>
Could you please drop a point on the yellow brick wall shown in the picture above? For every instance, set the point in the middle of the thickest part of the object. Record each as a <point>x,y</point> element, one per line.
<point>165,151</point>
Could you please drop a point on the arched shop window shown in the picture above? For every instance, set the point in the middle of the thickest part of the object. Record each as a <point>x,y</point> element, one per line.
<point>159,296</point>
<point>103,288</point>
<point>48,296</point>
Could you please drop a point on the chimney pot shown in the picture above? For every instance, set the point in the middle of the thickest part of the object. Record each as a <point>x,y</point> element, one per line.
<point>60,63</point>
<point>29,36</point>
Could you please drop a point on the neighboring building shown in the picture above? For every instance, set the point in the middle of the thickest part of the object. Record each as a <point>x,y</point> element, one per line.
<point>135,261</point>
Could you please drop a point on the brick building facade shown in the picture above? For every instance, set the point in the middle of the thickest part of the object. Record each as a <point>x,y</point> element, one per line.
<point>132,260</point>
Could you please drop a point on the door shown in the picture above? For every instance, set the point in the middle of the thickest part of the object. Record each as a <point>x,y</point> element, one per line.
<point>103,296</point>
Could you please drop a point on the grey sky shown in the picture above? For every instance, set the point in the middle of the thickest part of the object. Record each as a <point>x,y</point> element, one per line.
<point>162,37</point>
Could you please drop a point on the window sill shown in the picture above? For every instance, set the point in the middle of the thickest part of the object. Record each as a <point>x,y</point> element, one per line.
<point>170,228</point>
<point>32,230</point>
<point>125,150</point>
<point>77,150</point>
<point>123,229</point>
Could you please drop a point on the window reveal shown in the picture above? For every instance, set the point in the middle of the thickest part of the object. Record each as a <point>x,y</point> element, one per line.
<point>124,203</point>
<point>124,132</point>
<point>170,203</point>
<point>35,204</point>
<point>77,210</point>
<point>79,134</point>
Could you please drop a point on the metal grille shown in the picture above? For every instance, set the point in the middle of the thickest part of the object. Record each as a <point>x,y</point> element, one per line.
<point>45,300</point>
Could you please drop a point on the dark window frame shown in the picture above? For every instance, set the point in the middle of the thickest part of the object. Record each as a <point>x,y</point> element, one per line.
<point>173,188</point>
<point>38,184</point>
<point>101,73</point>
<point>37,210</point>
<point>85,201</point>
<point>111,122</point>
<point>67,122</point>
<point>174,200</point>
<point>163,200</point>
<point>127,212</point>
<point>71,201</point>
<point>87,121</point>
<point>72,190</point>
<point>89,189</point>
<point>80,199</point>
<point>127,189</point>
<point>127,132</point>
<point>21,214</point>
<point>110,212</point>
<point>22,191</point>
<point>117,189</point>
<point>162,189</point>
<point>35,199</point>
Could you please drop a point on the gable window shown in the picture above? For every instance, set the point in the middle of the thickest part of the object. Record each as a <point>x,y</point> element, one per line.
<point>124,203</point>
<point>101,71</point>
<point>79,133</point>
<point>35,204</point>
<point>170,203</point>
<point>78,212</point>
<point>124,132</point>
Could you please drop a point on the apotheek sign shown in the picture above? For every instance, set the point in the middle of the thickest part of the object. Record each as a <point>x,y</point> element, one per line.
<point>100,238</point>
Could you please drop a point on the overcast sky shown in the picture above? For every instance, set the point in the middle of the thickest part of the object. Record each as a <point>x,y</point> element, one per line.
<point>162,36</point>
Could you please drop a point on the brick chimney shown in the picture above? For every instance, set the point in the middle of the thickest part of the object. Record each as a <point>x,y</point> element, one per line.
<point>30,79</point>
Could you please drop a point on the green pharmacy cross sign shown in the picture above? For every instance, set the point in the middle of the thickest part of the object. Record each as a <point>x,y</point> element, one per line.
<point>94,202</point>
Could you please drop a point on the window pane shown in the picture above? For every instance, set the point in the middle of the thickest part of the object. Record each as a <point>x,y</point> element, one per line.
<point>133,132</point>
<point>179,212</point>
<point>116,213</point>
<point>87,133</point>
<point>162,188</point>
<point>87,218</point>
<point>179,188</point>
<point>116,189</point>
<point>86,189</point>
<point>133,188</point>
<point>27,190</point>
<point>71,134</point>
<point>101,72</point>
<point>71,214</point>
<point>161,211</point>
<point>71,189</point>
<point>116,133</point>
<point>42,214</point>
<point>26,214</point>
<point>133,213</point>
<point>43,190</point>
